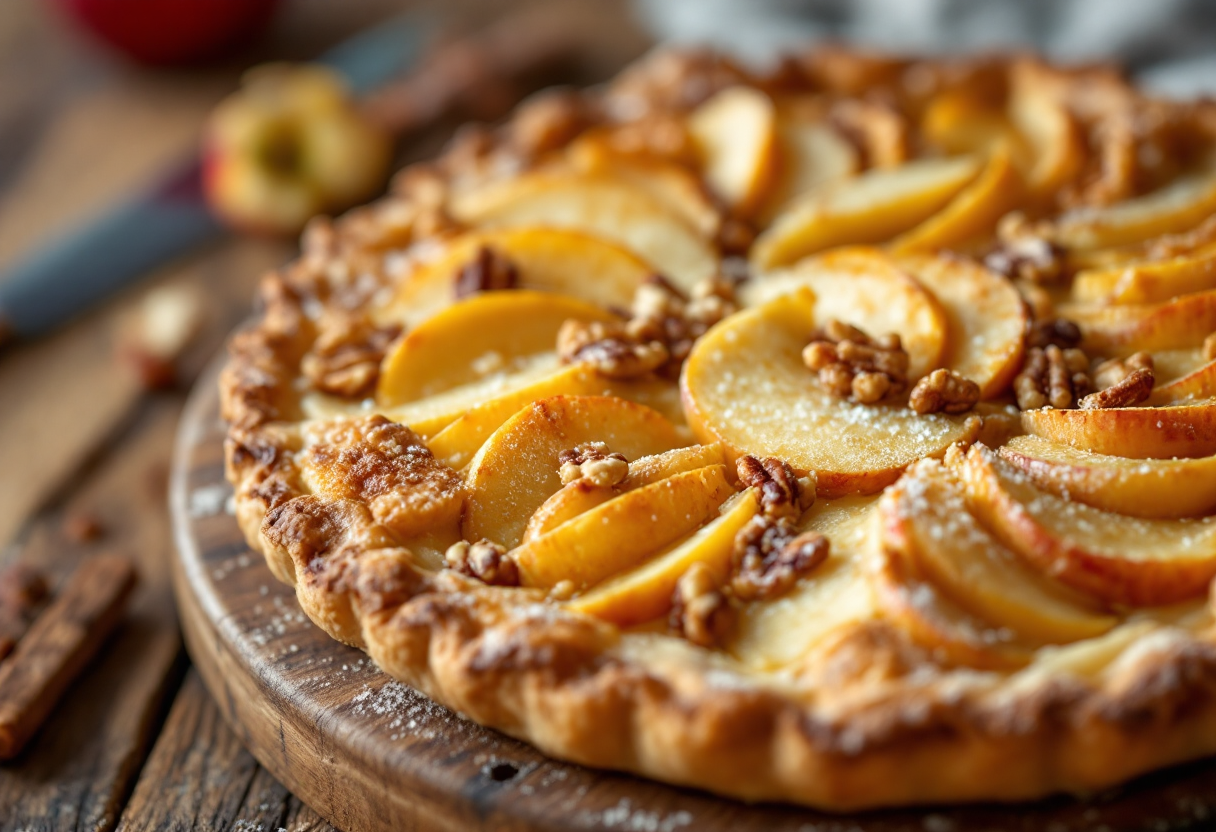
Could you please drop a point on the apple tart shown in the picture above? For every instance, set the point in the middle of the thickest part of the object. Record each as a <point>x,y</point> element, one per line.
<point>840,434</point>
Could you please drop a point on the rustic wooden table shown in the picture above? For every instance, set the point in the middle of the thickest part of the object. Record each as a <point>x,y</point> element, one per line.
<point>137,743</point>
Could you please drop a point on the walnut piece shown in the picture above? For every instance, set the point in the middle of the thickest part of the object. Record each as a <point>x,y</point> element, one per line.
<point>855,366</point>
<point>1116,370</point>
<point>609,348</point>
<point>484,560</point>
<point>944,391</point>
<point>1131,390</point>
<point>345,358</point>
<point>700,611</point>
<point>593,462</point>
<point>770,555</point>
<point>1062,332</point>
<point>1052,376</point>
<point>1025,253</point>
<point>782,492</point>
<point>488,271</point>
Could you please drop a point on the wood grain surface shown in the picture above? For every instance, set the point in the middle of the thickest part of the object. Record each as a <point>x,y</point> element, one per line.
<point>372,755</point>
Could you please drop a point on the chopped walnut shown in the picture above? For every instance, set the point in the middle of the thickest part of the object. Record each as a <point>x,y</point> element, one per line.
<point>944,391</point>
<point>853,365</point>
<point>1116,370</point>
<point>593,462</point>
<point>609,348</point>
<point>770,555</point>
<point>1062,332</point>
<point>1131,390</point>
<point>782,491</point>
<point>700,611</point>
<point>1025,253</point>
<point>345,357</point>
<point>488,271</point>
<point>1209,347</point>
<point>484,560</point>
<point>1052,376</point>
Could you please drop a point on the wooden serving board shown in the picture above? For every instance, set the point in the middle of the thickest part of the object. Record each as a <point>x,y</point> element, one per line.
<point>372,755</point>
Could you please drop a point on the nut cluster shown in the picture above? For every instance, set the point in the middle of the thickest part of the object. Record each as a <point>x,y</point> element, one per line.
<point>781,491</point>
<point>770,555</point>
<point>852,365</point>
<point>664,324</point>
<point>1025,254</point>
<point>1053,377</point>
<point>484,560</point>
<point>488,271</point>
<point>345,358</point>
<point>593,462</point>
<point>700,610</point>
<point>1059,376</point>
<point>944,391</point>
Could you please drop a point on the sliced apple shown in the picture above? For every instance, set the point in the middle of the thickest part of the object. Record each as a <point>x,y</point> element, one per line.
<point>1123,330</point>
<point>580,496</point>
<point>906,596</point>
<point>1171,365</point>
<point>735,134</point>
<point>1193,387</point>
<point>745,386</point>
<point>644,593</point>
<point>773,634</point>
<point>622,532</point>
<point>810,153</point>
<point>1147,282</point>
<point>1135,432</point>
<point>516,469</point>
<point>1153,488</point>
<point>1054,139</point>
<point>925,518</point>
<point>1183,204</point>
<point>597,204</point>
<point>1120,559</point>
<point>456,444</point>
<point>973,213</point>
<point>870,208</point>
<point>561,261</point>
<point>957,122</point>
<point>985,319</point>
<point>864,287</point>
<point>468,341</point>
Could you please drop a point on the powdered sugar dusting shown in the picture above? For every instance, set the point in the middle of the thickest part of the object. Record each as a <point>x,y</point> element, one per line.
<point>624,816</point>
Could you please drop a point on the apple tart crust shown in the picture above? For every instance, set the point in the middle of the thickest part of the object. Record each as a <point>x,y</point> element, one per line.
<point>674,427</point>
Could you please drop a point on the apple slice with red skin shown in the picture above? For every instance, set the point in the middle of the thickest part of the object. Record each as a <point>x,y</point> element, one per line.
<point>1113,557</point>
<point>1135,432</point>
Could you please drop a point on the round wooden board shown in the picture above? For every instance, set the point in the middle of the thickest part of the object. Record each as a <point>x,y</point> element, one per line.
<point>372,755</point>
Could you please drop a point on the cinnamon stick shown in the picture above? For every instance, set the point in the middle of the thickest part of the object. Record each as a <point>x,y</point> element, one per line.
<point>59,644</point>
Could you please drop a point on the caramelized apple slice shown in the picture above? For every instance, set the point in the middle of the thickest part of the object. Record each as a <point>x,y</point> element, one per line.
<point>516,469</point>
<point>620,533</point>
<point>545,259</point>
<point>1147,282</point>
<point>925,518</point>
<point>906,597</point>
<point>1123,330</point>
<point>1155,488</point>
<point>468,341</point>
<point>957,123</point>
<point>644,593</point>
<point>1193,387</point>
<point>777,633</point>
<point>1183,204</point>
<point>862,286</point>
<point>580,496</point>
<point>810,153</point>
<point>985,319</point>
<point>735,134</point>
<point>869,208</point>
<point>971,214</point>
<point>599,205</point>
<point>745,385</point>
<point>1136,432</point>
<point>1120,559</point>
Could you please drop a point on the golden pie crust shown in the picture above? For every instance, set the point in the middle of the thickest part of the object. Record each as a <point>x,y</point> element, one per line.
<point>880,710</point>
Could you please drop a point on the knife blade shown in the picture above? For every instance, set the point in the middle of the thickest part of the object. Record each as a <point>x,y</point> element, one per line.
<point>67,275</point>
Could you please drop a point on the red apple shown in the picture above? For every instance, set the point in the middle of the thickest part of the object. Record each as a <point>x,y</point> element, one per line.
<point>290,144</point>
<point>162,32</point>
